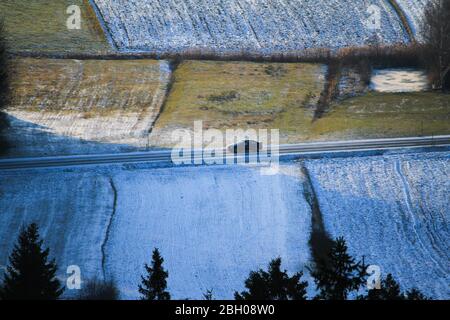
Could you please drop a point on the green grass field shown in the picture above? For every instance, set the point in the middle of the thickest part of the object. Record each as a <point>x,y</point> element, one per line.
<point>387,115</point>
<point>283,96</point>
<point>89,86</point>
<point>243,95</point>
<point>40,26</point>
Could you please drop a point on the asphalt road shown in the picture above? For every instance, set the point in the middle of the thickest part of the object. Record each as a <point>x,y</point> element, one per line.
<point>166,155</point>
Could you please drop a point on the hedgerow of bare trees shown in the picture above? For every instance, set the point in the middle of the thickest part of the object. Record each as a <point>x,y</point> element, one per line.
<point>436,35</point>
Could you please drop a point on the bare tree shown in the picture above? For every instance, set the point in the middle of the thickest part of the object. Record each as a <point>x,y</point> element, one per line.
<point>436,35</point>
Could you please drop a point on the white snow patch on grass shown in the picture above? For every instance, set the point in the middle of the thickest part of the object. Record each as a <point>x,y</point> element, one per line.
<point>399,80</point>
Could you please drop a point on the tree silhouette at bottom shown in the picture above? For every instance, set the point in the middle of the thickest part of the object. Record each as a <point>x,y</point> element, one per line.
<point>339,274</point>
<point>390,290</point>
<point>154,285</point>
<point>273,285</point>
<point>30,276</point>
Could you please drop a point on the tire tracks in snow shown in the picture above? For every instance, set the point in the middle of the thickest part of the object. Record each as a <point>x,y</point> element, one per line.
<point>108,227</point>
<point>410,210</point>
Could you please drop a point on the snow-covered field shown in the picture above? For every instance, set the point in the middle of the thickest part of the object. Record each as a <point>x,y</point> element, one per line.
<point>399,80</point>
<point>233,26</point>
<point>395,211</point>
<point>215,224</point>
<point>212,225</point>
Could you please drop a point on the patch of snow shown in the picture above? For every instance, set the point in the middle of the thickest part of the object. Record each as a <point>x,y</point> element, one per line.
<point>71,209</point>
<point>399,80</point>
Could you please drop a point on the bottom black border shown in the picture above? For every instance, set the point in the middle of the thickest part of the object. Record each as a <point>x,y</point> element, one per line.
<point>282,309</point>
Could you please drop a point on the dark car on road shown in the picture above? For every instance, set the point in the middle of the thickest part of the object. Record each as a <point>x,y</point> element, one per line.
<point>246,147</point>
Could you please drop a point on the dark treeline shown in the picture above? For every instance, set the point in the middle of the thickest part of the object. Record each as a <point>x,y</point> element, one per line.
<point>31,275</point>
<point>337,276</point>
<point>382,55</point>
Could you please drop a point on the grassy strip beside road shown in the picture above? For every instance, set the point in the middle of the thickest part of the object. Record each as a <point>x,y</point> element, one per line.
<point>62,107</point>
<point>378,115</point>
<point>285,96</point>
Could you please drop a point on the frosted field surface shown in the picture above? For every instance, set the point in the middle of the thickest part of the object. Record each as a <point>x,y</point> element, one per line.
<point>214,225</point>
<point>414,10</point>
<point>393,210</point>
<point>234,26</point>
<point>212,230</point>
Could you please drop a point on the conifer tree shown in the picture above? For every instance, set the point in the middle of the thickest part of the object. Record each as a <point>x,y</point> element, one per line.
<point>154,285</point>
<point>30,276</point>
<point>415,295</point>
<point>273,285</point>
<point>208,295</point>
<point>390,290</point>
<point>338,275</point>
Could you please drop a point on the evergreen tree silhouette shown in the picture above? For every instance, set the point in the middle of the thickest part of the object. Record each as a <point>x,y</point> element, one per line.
<point>30,276</point>
<point>338,275</point>
<point>415,295</point>
<point>154,285</point>
<point>273,285</point>
<point>208,295</point>
<point>390,290</point>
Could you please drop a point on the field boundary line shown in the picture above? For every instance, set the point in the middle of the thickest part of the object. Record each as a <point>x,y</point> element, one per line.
<point>404,19</point>
<point>102,23</point>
